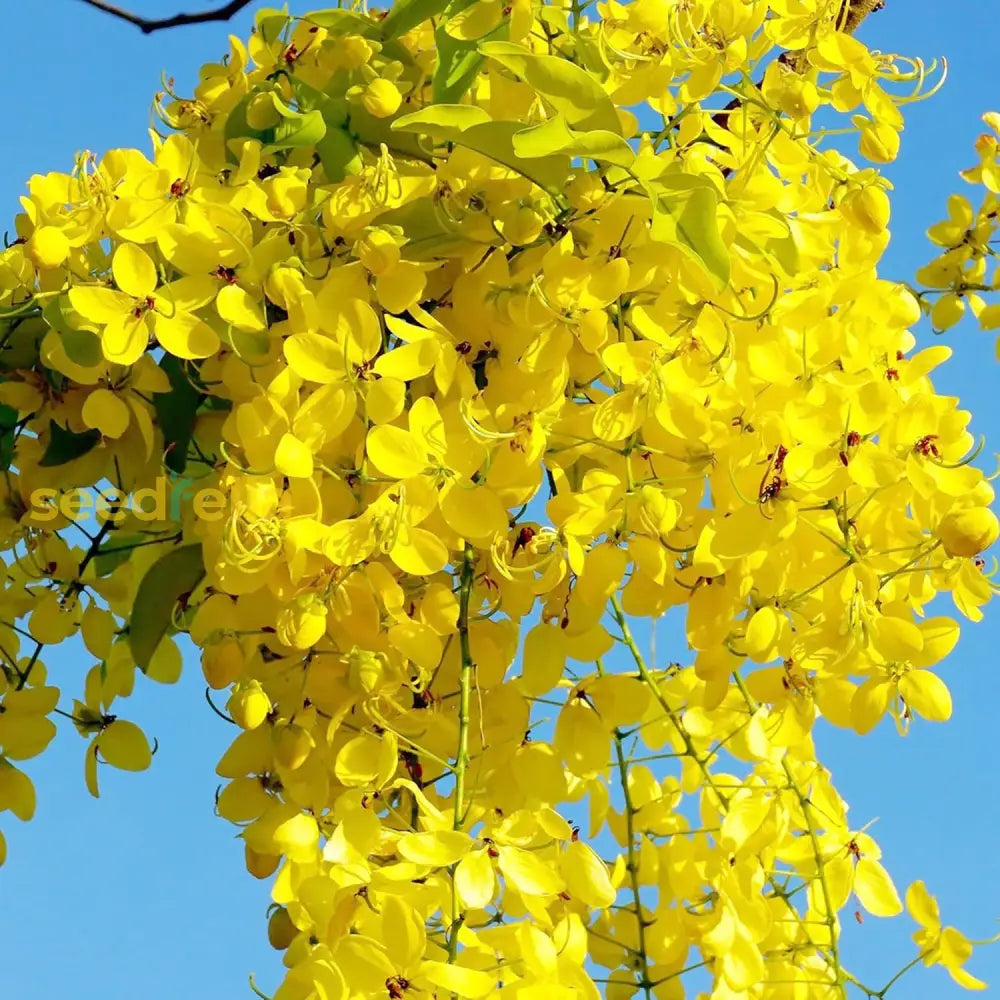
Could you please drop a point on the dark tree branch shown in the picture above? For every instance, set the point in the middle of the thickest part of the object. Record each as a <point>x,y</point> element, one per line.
<point>148,25</point>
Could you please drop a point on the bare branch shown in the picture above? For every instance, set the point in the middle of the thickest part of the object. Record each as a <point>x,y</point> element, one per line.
<point>148,25</point>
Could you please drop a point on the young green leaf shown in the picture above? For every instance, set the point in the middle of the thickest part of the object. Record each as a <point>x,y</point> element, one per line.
<point>174,575</point>
<point>567,87</point>
<point>64,445</point>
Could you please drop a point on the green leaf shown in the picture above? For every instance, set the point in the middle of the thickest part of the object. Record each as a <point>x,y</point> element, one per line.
<point>459,60</point>
<point>496,140</point>
<point>115,551</point>
<point>8,421</point>
<point>20,342</point>
<point>245,343</point>
<point>65,445</point>
<point>172,576</point>
<point>335,109</point>
<point>405,15</point>
<point>457,67</point>
<point>344,22</point>
<point>175,412</point>
<point>296,128</point>
<point>270,23</point>
<point>555,136</point>
<point>428,235</point>
<point>567,87</point>
<point>464,126</point>
<point>441,121</point>
<point>82,347</point>
<point>338,152</point>
<point>373,131</point>
<point>237,126</point>
<point>685,215</point>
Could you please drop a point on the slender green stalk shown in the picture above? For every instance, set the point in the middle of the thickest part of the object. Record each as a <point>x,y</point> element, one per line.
<point>465,685</point>
<point>632,866</point>
<point>650,681</point>
<point>466,678</point>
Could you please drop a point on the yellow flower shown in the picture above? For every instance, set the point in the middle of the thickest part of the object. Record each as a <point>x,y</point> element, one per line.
<point>136,311</point>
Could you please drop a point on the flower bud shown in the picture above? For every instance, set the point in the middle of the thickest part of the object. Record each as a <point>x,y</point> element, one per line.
<point>966,532</point>
<point>377,251</point>
<point>280,929</point>
<point>222,663</point>
<point>261,113</point>
<point>947,311</point>
<point>798,98</point>
<point>381,98</point>
<point>585,191</point>
<point>868,208</point>
<point>878,143</point>
<point>303,624</point>
<point>260,865</point>
<point>48,247</point>
<point>249,705</point>
<point>521,226</point>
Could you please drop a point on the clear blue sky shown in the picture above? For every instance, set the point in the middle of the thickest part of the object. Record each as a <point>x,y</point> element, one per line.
<point>142,893</point>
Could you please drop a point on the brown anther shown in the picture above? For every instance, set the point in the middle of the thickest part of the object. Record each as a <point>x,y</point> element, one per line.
<point>524,537</point>
<point>771,490</point>
<point>143,306</point>
<point>926,446</point>
<point>226,274</point>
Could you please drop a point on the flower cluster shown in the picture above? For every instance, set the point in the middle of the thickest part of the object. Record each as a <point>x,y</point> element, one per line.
<point>504,331</point>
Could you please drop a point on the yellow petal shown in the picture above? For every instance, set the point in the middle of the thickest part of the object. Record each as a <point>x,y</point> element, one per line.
<point>874,889</point>
<point>293,458</point>
<point>236,306</point>
<point>106,412</point>
<point>528,874</point>
<point>125,339</point>
<point>419,552</point>
<point>438,848</point>
<point>457,980</point>
<point>186,336</point>
<point>17,793</point>
<point>134,271</point>
<point>475,880</point>
<point>926,694</point>
<point>395,452</point>
<point>922,906</point>
<point>124,745</point>
<point>314,357</point>
<point>586,876</point>
<point>99,304</point>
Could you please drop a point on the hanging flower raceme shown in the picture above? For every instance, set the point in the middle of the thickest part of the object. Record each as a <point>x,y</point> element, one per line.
<point>434,357</point>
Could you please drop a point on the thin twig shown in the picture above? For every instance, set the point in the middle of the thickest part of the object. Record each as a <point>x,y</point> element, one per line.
<point>148,25</point>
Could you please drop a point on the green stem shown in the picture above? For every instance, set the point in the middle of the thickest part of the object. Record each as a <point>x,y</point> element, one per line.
<point>650,681</point>
<point>632,866</point>
<point>465,685</point>
<point>466,677</point>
